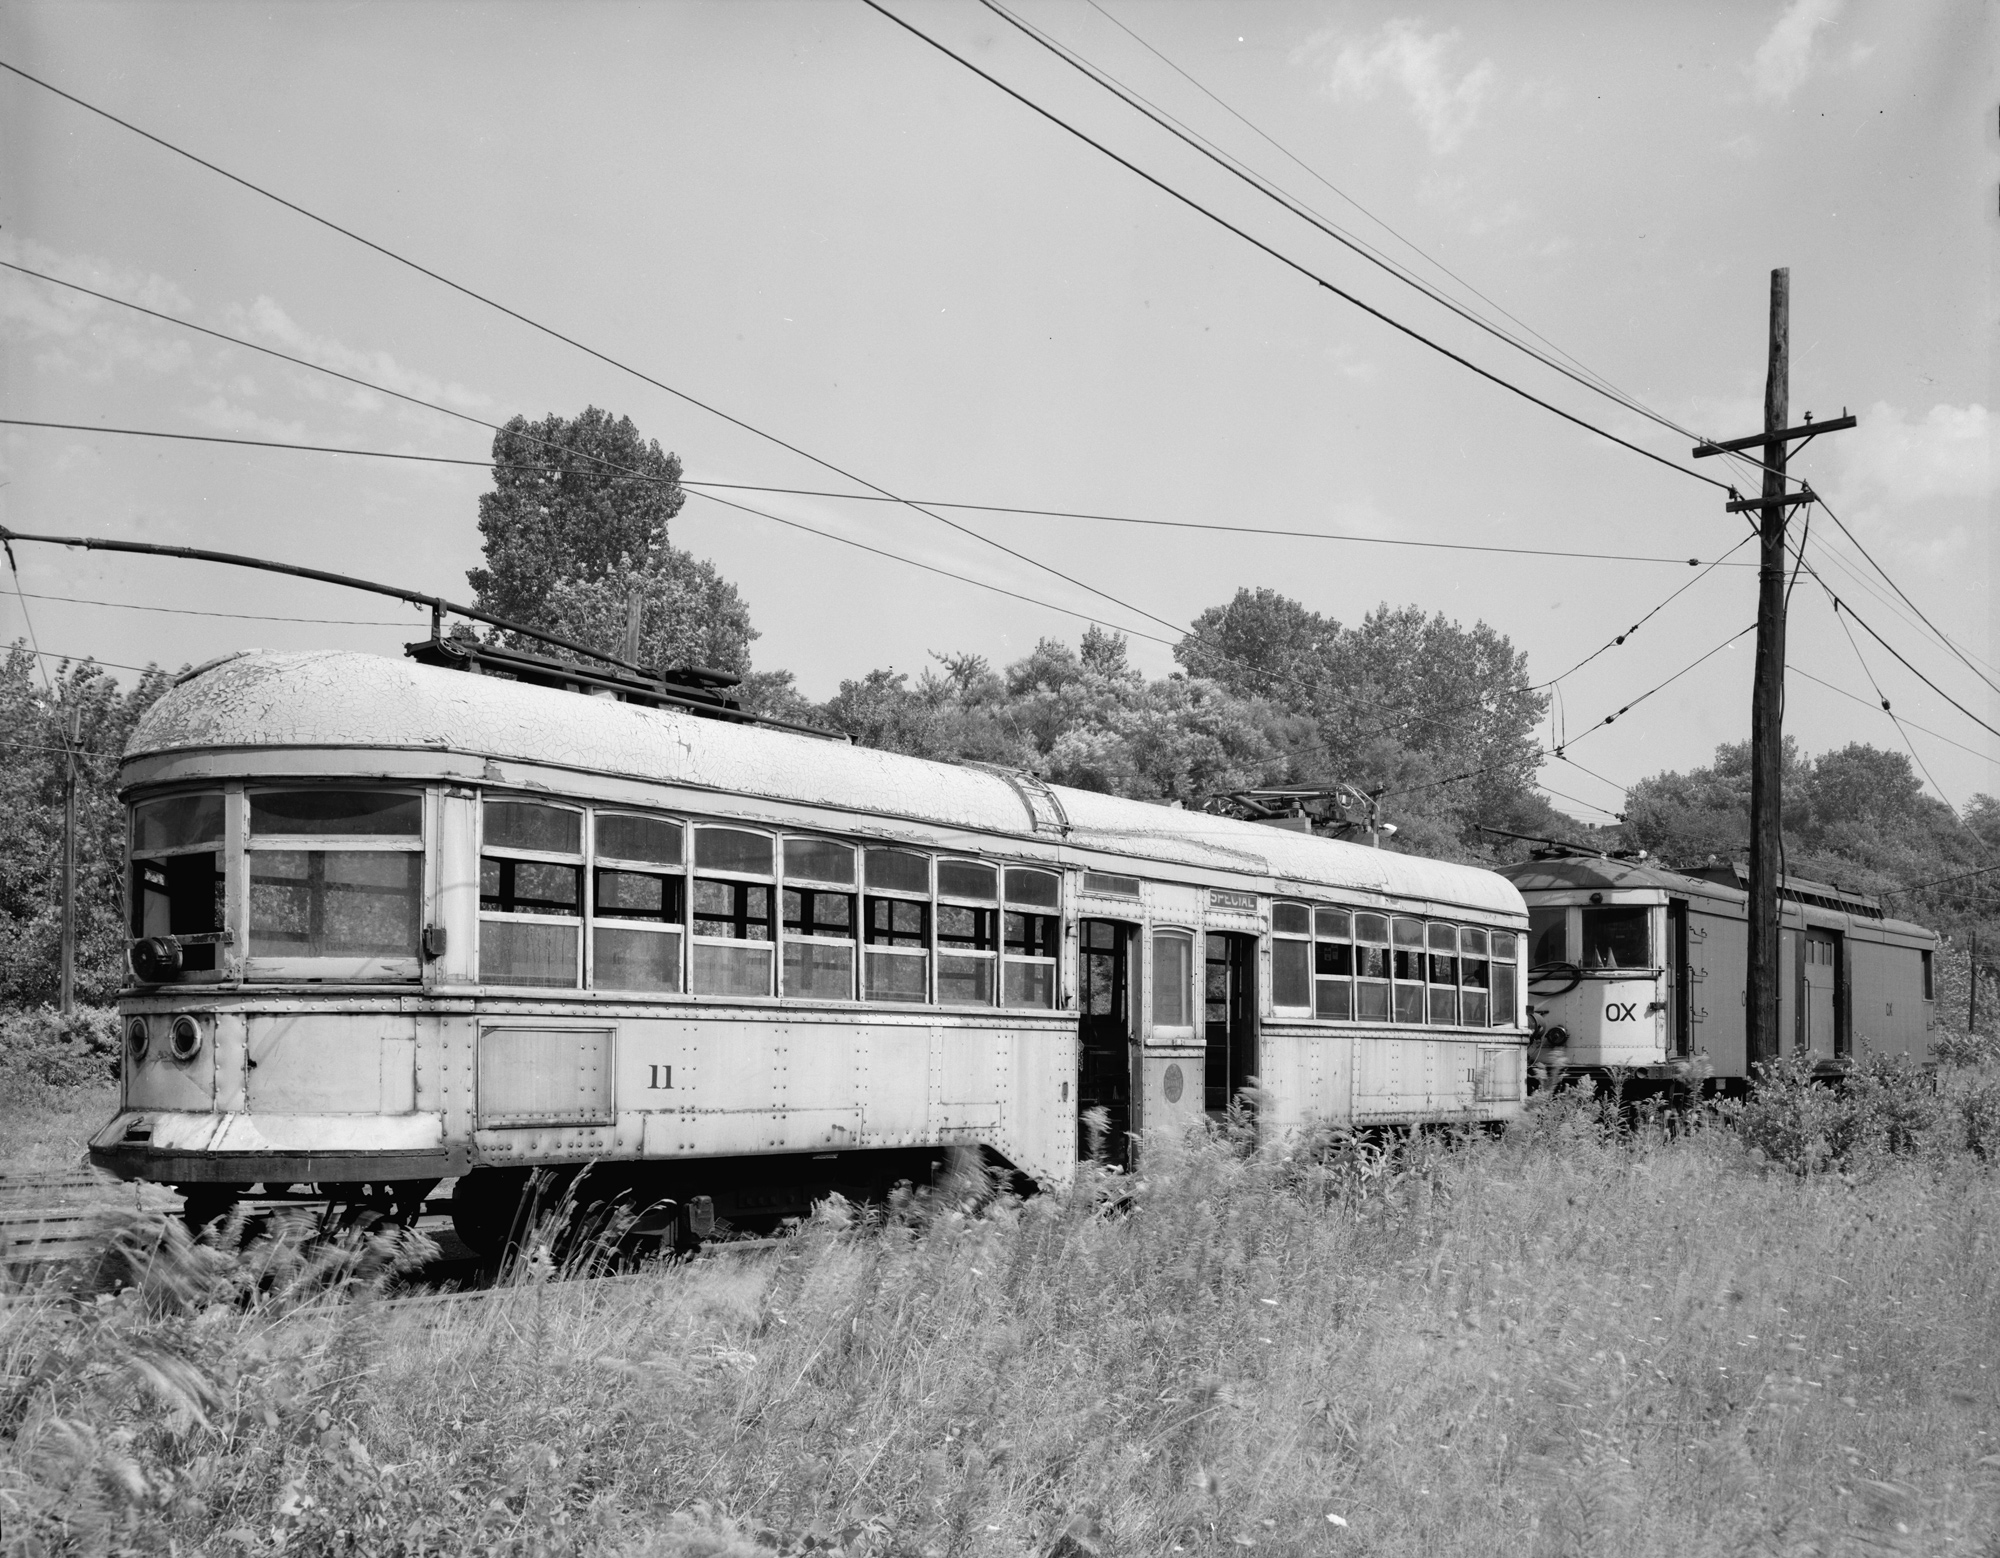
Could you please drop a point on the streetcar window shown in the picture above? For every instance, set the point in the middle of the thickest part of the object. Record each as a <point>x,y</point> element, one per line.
<point>177,822</point>
<point>1930,976</point>
<point>1548,937</point>
<point>336,813</point>
<point>635,932</point>
<point>1333,964</point>
<point>1291,956</point>
<point>1034,889</point>
<point>651,840</point>
<point>1371,967</point>
<point>1442,958</point>
<point>1472,977</point>
<point>968,880</point>
<point>898,871</point>
<point>819,923</point>
<point>1617,937</point>
<point>968,936</point>
<point>1406,968</point>
<point>1173,973</point>
<point>1030,944</point>
<point>636,895</point>
<point>732,911</point>
<point>732,849</point>
<point>335,903</point>
<point>548,830</point>
<point>1504,972</point>
<point>897,931</point>
<point>531,910</point>
<point>819,860</point>
<point>177,877</point>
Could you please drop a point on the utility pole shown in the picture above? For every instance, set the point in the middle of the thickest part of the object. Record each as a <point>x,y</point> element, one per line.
<point>1762,1041</point>
<point>73,729</point>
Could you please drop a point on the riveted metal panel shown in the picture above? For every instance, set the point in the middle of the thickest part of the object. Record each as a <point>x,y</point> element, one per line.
<point>331,1063</point>
<point>532,1076</point>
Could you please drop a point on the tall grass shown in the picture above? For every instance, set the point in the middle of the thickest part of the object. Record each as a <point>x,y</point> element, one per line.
<point>1566,1340</point>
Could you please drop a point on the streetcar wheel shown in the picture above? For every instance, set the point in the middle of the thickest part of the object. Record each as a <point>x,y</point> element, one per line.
<point>202,1205</point>
<point>486,1205</point>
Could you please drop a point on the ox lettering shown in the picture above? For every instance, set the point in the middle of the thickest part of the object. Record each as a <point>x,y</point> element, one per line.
<point>662,1078</point>
<point>1621,1011</point>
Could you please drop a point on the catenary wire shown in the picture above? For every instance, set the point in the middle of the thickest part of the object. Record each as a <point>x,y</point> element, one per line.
<point>588,350</point>
<point>1200,143</point>
<point>1792,667</point>
<point>1620,639</point>
<point>1286,260</point>
<point>1593,729</point>
<point>1862,623</point>
<point>241,616</point>
<point>1579,801</point>
<point>1869,673</point>
<point>1335,189</point>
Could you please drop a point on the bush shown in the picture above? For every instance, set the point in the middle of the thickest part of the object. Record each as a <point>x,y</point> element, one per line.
<point>41,1050</point>
<point>1881,1110</point>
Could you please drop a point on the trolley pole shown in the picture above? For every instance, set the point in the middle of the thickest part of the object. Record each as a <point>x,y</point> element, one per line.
<point>1762,1041</point>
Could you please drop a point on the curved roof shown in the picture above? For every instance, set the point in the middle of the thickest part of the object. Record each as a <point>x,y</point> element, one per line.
<point>343,699</point>
<point>1599,873</point>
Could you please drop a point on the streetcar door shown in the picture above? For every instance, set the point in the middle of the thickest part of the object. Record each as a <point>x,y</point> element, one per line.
<point>1104,1035</point>
<point>1229,1015</point>
<point>1818,964</point>
<point>1680,1020</point>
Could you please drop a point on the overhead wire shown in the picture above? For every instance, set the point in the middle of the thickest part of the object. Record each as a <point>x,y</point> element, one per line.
<point>1622,637</point>
<point>1794,667</point>
<point>1593,729</point>
<point>1200,143</point>
<point>1285,259</point>
<point>242,616</point>
<point>578,345</point>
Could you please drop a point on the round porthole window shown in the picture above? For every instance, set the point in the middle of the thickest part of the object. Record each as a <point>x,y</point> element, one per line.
<point>186,1040</point>
<point>137,1039</point>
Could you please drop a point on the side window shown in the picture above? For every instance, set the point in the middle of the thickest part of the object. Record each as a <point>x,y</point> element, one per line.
<point>1173,979</point>
<point>1333,964</point>
<point>1930,976</point>
<point>1505,976</point>
<point>1548,937</point>
<point>734,884</point>
<point>1291,956</point>
<point>1443,975</point>
<point>819,919</point>
<point>1407,968</point>
<point>1472,977</point>
<point>896,925</point>
<point>638,902</point>
<point>1031,936</point>
<point>177,880</point>
<point>1371,967</point>
<point>530,893</point>
<point>338,874</point>
<point>968,932</point>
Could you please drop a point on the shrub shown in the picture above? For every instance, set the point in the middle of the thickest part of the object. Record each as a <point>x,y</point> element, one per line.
<point>41,1049</point>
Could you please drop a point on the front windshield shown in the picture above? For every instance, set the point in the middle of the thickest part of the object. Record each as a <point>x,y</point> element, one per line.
<point>1617,938</point>
<point>1546,942</point>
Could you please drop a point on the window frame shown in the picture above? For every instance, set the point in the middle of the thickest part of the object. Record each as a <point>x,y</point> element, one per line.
<point>850,890</point>
<point>1182,936</point>
<point>1051,964</point>
<point>1291,939</point>
<point>681,873</point>
<point>992,906</point>
<point>278,967</point>
<point>870,949</point>
<point>1436,932</point>
<point>482,852</point>
<point>1344,941</point>
<point>226,850</point>
<point>770,882</point>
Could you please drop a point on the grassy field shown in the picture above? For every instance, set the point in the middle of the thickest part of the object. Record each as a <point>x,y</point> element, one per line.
<point>1563,1341</point>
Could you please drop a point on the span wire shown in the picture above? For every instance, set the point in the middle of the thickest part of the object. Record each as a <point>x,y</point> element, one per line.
<point>1872,682</point>
<point>1620,639</point>
<point>240,616</point>
<point>1831,687</point>
<point>1608,719</point>
<point>1200,143</point>
<point>591,351</point>
<point>1189,201</point>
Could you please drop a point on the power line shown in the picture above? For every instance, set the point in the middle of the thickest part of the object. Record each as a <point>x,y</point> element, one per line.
<point>1862,622</point>
<point>1596,384</point>
<point>1620,639</point>
<point>591,351</point>
<point>1867,672</point>
<point>1285,259</point>
<point>1609,718</point>
<point>1852,698</point>
<point>1240,530</point>
<point>241,616</point>
<point>1577,801</point>
<point>45,654</point>
<point>1564,758</point>
<point>265,443</point>
<point>1943,881</point>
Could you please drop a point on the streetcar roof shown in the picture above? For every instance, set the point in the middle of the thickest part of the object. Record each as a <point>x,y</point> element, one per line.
<point>339,699</point>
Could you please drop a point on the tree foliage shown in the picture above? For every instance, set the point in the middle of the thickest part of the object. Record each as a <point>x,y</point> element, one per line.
<point>578,520</point>
<point>34,721</point>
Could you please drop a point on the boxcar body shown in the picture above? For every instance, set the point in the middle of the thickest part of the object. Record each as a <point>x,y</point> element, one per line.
<point>1643,969</point>
<point>394,923</point>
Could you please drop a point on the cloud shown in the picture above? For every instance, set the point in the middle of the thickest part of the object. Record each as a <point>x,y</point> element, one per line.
<point>1901,457</point>
<point>1402,56</point>
<point>267,320</point>
<point>1785,58</point>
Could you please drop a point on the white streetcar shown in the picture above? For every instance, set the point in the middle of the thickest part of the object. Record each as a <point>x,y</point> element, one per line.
<point>395,922</point>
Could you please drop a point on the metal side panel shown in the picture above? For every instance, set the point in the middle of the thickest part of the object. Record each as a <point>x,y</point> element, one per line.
<point>331,1063</point>
<point>1389,1079</point>
<point>966,1085</point>
<point>544,1076</point>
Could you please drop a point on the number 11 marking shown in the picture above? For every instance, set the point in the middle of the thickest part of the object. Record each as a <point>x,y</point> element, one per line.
<point>662,1078</point>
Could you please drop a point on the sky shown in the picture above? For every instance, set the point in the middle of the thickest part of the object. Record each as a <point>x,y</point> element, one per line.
<point>813,222</point>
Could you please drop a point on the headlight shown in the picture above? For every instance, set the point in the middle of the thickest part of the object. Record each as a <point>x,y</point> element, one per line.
<point>156,959</point>
<point>137,1039</point>
<point>185,1041</point>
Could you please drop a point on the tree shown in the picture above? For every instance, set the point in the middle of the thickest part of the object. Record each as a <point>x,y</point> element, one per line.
<point>34,722</point>
<point>577,521</point>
